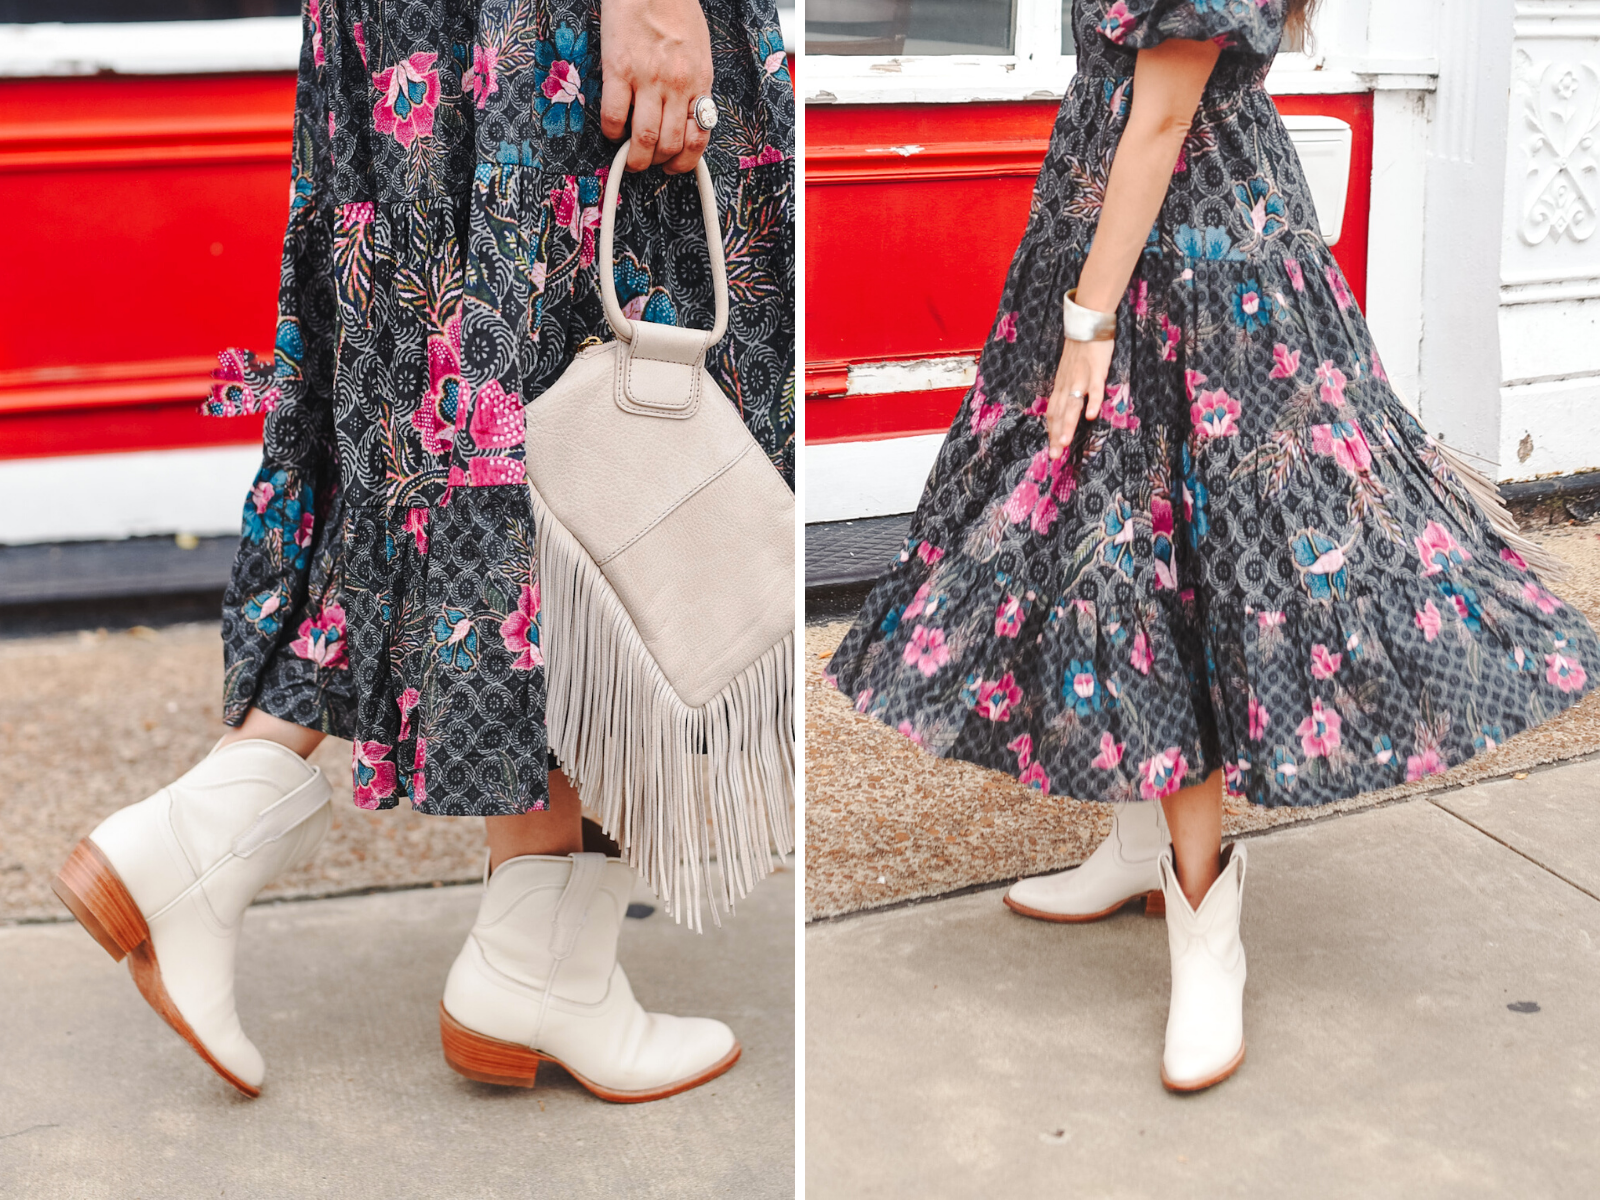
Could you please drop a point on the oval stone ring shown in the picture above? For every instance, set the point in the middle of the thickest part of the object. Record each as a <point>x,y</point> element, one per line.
<point>704,111</point>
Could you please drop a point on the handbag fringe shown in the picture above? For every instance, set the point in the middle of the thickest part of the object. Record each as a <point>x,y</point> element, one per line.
<point>1483,492</point>
<point>674,785</point>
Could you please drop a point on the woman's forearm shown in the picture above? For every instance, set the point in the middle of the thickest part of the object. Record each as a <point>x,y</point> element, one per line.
<point>1167,83</point>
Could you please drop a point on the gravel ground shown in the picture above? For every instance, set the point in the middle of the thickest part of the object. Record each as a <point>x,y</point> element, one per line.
<point>886,822</point>
<point>90,722</point>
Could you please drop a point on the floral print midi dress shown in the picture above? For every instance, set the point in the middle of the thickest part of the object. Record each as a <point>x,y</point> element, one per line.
<point>439,273</point>
<point>1262,564</point>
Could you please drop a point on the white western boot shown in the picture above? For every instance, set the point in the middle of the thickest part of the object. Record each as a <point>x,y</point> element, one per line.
<point>1205,1023</point>
<point>1122,869</point>
<point>538,981</point>
<point>166,882</point>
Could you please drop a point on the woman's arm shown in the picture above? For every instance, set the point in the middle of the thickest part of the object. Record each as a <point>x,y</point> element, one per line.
<point>1167,82</point>
<point>655,58</point>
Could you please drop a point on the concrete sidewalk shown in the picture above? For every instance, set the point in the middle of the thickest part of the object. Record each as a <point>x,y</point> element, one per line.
<point>1422,1019</point>
<point>98,1098</point>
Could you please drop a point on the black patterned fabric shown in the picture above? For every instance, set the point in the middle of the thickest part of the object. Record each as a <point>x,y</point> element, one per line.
<point>1262,564</point>
<point>439,272</point>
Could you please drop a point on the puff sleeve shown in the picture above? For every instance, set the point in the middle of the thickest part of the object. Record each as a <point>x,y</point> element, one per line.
<point>1252,26</point>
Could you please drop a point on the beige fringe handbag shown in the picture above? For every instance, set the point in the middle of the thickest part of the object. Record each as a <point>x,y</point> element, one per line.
<point>667,585</point>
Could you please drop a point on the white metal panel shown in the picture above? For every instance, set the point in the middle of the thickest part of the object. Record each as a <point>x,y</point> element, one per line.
<point>151,47</point>
<point>1323,144</point>
<point>848,480</point>
<point>94,496</point>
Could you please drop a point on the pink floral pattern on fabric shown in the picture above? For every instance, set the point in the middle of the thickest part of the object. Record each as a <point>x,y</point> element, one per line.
<point>1319,732</point>
<point>766,156</point>
<point>497,419</point>
<point>1162,774</point>
<point>1429,762</point>
<point>1345,443</point>
<point>1429,621</point>
<point>1037,497</point>
<point>1540,599</point>
<point>322,639</point>
<point>1324,663</point>
<point>520,630</point>
<point>416,524</point>
<point>926,650</point>
<point>406,701</point>
<point>1439,550</point>
<point>1008,617</point>
<point>1330,384</point>
<point>1215,415</point>
<point>1564,672</point>
<point>995,697</point>
<point>242,384</point>
<point>482,79</point>
<point>374,774</point>
<point>1110,755</point>
<point>408,94</point>
<point>490,472</point>
<point>581,221</point>
<point>448,391</point>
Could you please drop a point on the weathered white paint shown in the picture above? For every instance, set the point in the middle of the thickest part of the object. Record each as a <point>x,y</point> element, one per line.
<point>93,496</point>
<point>151,47</point>
<point>867,479</point>
<point>1549,429</point>
<point>922,375</point>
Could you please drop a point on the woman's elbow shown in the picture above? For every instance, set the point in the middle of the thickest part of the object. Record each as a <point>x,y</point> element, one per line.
<point>1163,128</point>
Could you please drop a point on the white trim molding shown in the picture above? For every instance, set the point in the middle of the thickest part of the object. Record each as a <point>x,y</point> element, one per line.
<point>151,47</point>
<point>101,496</point>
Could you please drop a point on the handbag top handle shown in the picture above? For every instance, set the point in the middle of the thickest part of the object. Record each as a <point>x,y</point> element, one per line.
<point>608,228</point>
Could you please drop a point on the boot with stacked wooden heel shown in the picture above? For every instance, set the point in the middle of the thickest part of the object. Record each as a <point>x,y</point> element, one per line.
<point>1121,871</point>
<point>538,981</point>
<point>165,883</point>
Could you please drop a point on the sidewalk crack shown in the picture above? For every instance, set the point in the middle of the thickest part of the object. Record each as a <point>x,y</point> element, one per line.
<point>1493,837</point>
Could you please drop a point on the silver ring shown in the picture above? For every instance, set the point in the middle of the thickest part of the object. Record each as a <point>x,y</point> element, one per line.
<point>704,111</point>
<point>1075,394</point>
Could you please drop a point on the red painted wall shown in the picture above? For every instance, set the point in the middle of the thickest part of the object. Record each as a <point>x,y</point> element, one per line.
<point>906,253</point>
<point>144,224</point>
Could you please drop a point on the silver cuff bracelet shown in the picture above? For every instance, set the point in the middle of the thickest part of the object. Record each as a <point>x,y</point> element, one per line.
<point>1085,324</point>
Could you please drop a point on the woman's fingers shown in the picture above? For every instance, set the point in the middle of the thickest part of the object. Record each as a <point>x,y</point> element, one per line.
<point>1097,394</point>
<point>647,116</point>
<point>1061,417</point>
<point>616,98</point>
<point>674,116</point>
<point>694,145</point>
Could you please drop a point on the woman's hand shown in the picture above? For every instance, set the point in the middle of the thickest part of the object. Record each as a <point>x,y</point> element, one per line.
<point>655,58</point>
<point>1082,370</point>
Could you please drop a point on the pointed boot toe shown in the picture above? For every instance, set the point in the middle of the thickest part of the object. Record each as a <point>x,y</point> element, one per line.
<point>538,981</point>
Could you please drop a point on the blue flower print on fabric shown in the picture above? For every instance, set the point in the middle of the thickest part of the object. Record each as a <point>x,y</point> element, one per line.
<point>565,83</point>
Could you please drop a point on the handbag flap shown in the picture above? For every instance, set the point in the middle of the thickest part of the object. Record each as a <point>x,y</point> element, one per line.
<point>659,371</point>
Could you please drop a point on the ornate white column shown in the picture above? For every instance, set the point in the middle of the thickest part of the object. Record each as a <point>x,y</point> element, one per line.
<point>1549,315</point>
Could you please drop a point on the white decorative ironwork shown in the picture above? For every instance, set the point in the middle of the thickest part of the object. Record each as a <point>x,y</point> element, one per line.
<point>1561,108</point>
